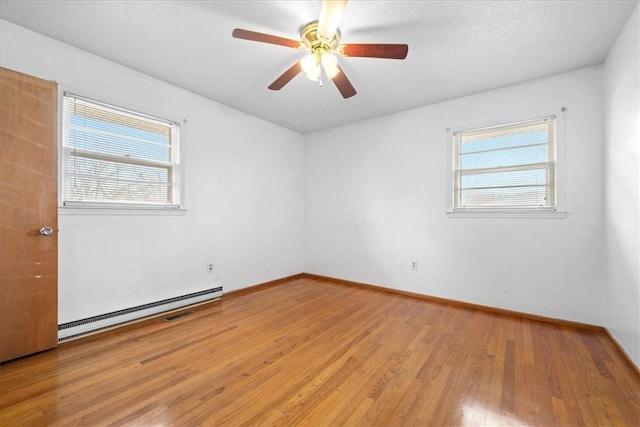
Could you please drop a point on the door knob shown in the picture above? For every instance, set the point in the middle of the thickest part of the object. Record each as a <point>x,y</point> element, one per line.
<point>46,231</point>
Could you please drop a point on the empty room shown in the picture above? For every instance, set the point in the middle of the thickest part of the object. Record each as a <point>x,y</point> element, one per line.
<point>320,213</point>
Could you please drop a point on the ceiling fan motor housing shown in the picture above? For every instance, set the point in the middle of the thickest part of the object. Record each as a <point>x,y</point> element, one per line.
<point>316,44</point>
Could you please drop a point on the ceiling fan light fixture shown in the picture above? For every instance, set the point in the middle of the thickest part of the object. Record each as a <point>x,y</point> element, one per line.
<point>314,75</point>
<point>311,66</point>
<point>330,64</point>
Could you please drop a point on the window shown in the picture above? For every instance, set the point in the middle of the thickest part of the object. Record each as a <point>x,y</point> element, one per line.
<point>115,157</point>
<point>505,167</point>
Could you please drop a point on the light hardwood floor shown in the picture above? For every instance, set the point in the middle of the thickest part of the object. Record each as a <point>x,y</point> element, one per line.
<point>315,352</point>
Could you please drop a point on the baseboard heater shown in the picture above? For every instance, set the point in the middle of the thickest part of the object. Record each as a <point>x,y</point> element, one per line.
<point>77,328</point>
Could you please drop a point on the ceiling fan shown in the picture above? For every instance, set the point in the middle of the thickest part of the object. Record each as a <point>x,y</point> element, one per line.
<point>321,39</point>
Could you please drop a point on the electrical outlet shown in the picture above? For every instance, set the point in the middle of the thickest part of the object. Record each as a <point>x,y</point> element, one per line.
<point>414,265</point>
<point>209,267</point>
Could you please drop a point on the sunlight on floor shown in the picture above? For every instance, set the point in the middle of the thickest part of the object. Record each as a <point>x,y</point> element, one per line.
<point>479,415</point>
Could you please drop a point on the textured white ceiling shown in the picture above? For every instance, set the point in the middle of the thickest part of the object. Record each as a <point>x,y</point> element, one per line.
<point>456,48</point>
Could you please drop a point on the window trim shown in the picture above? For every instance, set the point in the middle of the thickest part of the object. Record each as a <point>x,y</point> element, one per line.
<point>71,207</point>
<point>511,212</point>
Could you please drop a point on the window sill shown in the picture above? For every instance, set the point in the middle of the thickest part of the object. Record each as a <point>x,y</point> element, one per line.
<point>120,210</point>
<point>520,213</point>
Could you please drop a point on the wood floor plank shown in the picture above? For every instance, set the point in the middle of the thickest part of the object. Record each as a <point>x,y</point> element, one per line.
<point>313,352</point>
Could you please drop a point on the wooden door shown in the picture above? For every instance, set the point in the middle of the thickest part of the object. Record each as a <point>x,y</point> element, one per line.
<point>28,202</point>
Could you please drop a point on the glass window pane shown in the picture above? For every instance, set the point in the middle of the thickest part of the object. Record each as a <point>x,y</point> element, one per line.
<point>114,155</point>
<point>505,179</point>
<point>505,166</point>
<point>505,197</point>
<point>505,157</point>
<point>505,141</point>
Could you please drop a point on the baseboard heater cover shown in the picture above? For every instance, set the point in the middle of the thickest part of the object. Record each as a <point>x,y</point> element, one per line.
<point>77,328</point>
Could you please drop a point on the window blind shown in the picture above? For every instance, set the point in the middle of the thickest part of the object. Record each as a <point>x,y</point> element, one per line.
<point>509,166</point>
<point>113,155</point>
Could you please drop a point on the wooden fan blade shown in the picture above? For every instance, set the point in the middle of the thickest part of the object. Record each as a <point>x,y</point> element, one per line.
<point>330,15</point>
<point>239,33</point>
<point>343,84</point>
<point>374,50</point>
<point>286,77</point>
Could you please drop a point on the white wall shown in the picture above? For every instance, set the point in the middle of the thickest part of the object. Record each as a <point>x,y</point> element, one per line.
<point>376,196</point>
<point>243,186</point>
<point>622,188</point>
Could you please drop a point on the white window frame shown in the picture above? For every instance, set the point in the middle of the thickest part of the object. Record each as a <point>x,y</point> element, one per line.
<point>74,207</point>
<point>511,212</point>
